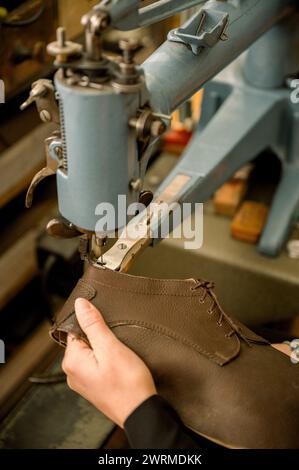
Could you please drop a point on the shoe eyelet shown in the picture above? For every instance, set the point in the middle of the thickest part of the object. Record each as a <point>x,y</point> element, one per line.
<point>210,312</point>
<point>201,300</point>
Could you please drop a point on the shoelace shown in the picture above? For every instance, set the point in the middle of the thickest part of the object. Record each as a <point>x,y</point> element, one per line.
<point>208,287</point>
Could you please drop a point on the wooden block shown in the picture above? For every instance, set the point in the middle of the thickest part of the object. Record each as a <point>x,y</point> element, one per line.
<point>229,197</point>
<point>21,161</point>
<point>18,266</point>
<point>249,222</point>
<point>197,105</point>
<point>175,141</point>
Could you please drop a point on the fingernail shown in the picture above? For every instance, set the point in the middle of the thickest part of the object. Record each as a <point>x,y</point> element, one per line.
<point>81,303</point>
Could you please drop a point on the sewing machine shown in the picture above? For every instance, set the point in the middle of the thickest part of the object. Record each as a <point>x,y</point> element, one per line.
<point>111,113</point>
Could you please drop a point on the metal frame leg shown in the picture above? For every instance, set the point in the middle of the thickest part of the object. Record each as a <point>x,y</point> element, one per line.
<point>283,212</point>
<point>246,124</point>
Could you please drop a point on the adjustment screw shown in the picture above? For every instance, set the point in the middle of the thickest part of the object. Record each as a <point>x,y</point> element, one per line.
<point>128,47</point>
<point>45,116</point>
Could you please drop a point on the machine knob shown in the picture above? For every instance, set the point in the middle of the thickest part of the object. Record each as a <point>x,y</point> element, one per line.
<point>63,49</point>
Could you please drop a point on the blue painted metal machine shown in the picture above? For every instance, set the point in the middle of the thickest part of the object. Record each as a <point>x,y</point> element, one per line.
<point>112,112</point>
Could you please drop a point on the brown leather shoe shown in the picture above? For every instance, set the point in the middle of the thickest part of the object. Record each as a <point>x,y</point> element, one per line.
<point>225,382</point>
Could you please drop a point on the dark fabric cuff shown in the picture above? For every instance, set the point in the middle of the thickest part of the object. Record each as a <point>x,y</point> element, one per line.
<point>155,425</point>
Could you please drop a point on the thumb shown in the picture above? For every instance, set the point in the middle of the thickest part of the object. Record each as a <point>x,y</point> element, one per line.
<point>93,324</point>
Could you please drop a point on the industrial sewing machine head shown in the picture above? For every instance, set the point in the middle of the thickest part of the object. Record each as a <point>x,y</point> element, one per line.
<point>106,125</point>
<point>111,111</point>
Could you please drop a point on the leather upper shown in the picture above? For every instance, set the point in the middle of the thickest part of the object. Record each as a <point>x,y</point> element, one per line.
<point>225,381</point>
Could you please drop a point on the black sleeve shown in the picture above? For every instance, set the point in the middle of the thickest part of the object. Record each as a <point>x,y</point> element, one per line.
<point>155,425</point>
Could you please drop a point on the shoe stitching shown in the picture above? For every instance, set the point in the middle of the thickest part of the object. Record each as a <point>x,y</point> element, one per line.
<point>220,360</point>
<point>140,292</point>
<point>89,291</point>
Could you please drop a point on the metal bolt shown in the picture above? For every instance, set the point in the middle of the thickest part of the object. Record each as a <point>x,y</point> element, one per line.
<point>146,198</point>
<point>128,46</point>
<point>157,128</point>
<point>45,116</point>
<point>122,246</point>
<point>60,35</point>
<point>58,151</point>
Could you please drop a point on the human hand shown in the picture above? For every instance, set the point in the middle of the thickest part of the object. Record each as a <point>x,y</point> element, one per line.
<point>110,375</point>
